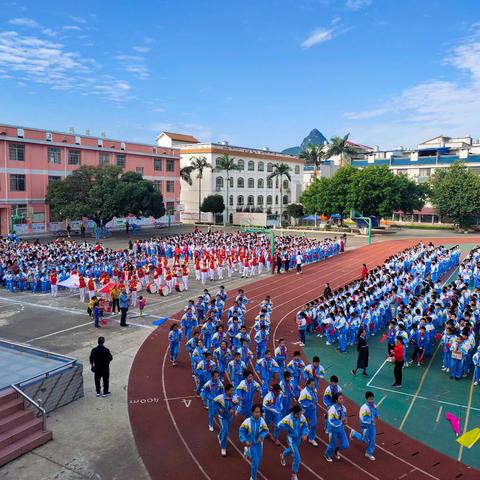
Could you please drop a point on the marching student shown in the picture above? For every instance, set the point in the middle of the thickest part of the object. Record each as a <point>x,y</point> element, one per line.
<point>368,414</point>
<point>337,418</point>
<point>189,322</point>
<point>273,406</point>
<point>266,368</point>
<point>308,401</point>
<point>226,404</point>
<point>288,390</point>
<point>332,389</point>
<point>174,337</point>
<point>235,369</point>
<point>246,392</point>
<point>314,371</point>
<point>222,356</point>
<point>296,367</point>
<point>281,356</point>
<point>252,433</point>
<point>210,390</point>
<point>261,339</point>
<point>296,427</point>
<point>204,371</point>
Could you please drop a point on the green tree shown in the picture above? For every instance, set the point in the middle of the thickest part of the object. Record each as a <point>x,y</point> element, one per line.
<point>213,204</point>
<point>295,210</point>
<point>226,164</point>
<point>198,164</point>
<point>280,170</point>
<point>315,198</point>
<point>313,155</point>
<point>455,193</point>
<point>341,147</point>
<point>103,192</point>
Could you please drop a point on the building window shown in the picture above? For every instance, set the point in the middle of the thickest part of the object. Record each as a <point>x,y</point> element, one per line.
<point>251,183</point>
<point>269,183</point>
<point>276,199</point>
<point>53,179</point>
<point>285,184</point>
<point>170,165</point>
<point>269,199</point>
<point>241,164</point>
<point>297,169</point>
<point>139,170</point>
<point>261,167</point>
<point>121,161</point>
<point>20,132</point>
<point>260,183</point>
<point>54,155</point>
<point>240,182</point>
<point>157,185</point>
<point>425,172</point>
<point>240,200</point>
<point>104,158</point>
<point>170,207</point>
<point>250,200</point>
<point>285,199</point>
<point>230,201</point>
<point>276,182</point>
<point>74,157</point>
<point>170,186</point>
<point>17,183</point>
<point>231,182</point>
<point>157,164</point>
<point>269,167</point>
<point>17,152</point>
<point>219,183</point>
<point>260,200</point>
<point>218,161</point>
<point>251,166</point>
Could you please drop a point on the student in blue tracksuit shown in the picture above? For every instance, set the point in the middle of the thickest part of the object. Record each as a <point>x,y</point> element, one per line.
<point>281,356</point>
<point>332,389</point>
<point>235,369</point>
<point>204,371</point>
<point>261,339</point>
<point>337,418</point>
<point>252,433</point>
<point>273,407</point>
<point>368,415</point>
<point>308,401</point>
<point>226,406</point>
<point>174,337</point>
<point>210,390</point>
<point>314,371</point>
<point>266,368</point>
<point>296,427</point>
<point>246,392</point>
<point>189,322</point>
<point>288,389</point>
<point>296,368</point>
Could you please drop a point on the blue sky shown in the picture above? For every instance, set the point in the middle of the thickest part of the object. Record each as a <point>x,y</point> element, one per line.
<point>256,72</point>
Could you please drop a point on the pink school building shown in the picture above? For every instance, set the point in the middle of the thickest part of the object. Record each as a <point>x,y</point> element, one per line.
<point>31,158</point>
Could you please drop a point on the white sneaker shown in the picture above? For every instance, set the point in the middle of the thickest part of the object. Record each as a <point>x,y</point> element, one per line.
<point>371,457</point>
<point>223,452</point>
<point>294,476</point>
<point>210,427</point>
<point>328,343</point>
<point>313,443</point>
<point>283,463</point>
<point>352,433</point>
<point>328,459</point>
<point>475,383</point>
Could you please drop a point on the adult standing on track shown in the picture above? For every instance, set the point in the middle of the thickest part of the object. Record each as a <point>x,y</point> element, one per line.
<point>398,355</point>
<point>123,303</point>
<point>364,271</point>
<point>100,358</point>
<point>362,349</point>
<point>299,261</point>
<point>115,295</point>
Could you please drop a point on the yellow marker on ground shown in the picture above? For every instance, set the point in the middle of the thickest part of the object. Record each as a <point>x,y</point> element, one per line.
<point>469,439</point>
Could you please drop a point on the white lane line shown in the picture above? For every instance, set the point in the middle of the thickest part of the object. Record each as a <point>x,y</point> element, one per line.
<point>439,413</point>
<point>59,331</point>
<point>377,372</point>
<point>181,398</point>
<point>381,400</point>
<point>48,307</point>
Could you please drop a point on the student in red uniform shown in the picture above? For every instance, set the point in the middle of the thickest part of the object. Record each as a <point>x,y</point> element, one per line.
<point>53,283</point>
<point>364,271</point>
<point>185,273</point>
<point>81,287</point>
<point>91,288</point>
<point>398,355</point>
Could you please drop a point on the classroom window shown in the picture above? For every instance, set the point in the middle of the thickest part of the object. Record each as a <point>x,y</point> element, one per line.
<point>53,179</point>
<point>285,184</point>
<point>17,183</point>
<point>139,170</point>
<point>218,161</point>
<point>170,207</point>
<point>170,165</point>
<point>54,155</point>
<point>425,172</point>
<point>269,183</point>
<point>241,164</point>
<point>261,167</point>
<point>240,182</point>
<point>269,167</point>
<point>219,183</point>
<point>157,185</point>
<point>297,169</point>
<point>230,201</point>
<point>250,200</point>
<point>260,200</point>
<point>157,164</point>
<point>104,158</point>
<point>240,200</point>
<point>17,152</point>
<point>251,183</point>
<point>251,166</point>
<point>121,160</point>
<point>231,182</point>
<point>269,199</point>
<point>170,186</point>
<point>74,157</point>
<point>285,199</point>
<point>260,183</point>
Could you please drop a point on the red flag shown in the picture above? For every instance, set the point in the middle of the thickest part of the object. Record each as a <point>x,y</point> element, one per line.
<point>383,337</point>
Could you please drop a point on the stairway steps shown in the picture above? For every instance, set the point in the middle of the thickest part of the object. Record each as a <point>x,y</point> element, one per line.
<point>24,445</point>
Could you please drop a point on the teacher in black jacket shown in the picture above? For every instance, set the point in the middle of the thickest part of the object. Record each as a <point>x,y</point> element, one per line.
<point>362,349</point>
<point>100,358</point>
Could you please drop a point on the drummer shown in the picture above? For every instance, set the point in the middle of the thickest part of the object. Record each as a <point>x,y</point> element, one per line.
<point>185,275</point>
<point>133,286</point>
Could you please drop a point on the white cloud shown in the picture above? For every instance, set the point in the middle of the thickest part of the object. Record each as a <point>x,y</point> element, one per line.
<point>134,64</point>
<point>71,27</point>
<point>319,35</point>
<point>32,59</point>
<point>78,19</point>
<point>141,49</point>
<point>24,22</point>
<point>356,5</point>
<point>441,106</point>
<point>159,110</point>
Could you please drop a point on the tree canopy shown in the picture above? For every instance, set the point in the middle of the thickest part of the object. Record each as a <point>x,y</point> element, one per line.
<point>103,192</point>
<point>213,203</point>
<point>455,193</point>
<point>373,191</point>
<point>295,210</point>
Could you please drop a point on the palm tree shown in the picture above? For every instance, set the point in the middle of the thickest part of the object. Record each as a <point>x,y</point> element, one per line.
<point>280,170</point>
<point>341,146</point>
<point>227,164</point>
<point>199,164</point>
<point>313,155</point>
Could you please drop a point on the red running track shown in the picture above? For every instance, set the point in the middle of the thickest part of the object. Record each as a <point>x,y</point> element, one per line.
<point>170,424</point>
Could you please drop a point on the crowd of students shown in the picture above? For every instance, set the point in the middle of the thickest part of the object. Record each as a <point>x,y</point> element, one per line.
<point>152,263</point>
<point>403,299</point>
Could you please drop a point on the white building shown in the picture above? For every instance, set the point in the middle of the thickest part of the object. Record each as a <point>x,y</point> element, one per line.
<point>249,186</point>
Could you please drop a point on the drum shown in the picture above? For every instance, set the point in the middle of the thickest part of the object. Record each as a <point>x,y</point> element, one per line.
<point>152,288</point>
<point>179,287</point>
<point>164,290</point>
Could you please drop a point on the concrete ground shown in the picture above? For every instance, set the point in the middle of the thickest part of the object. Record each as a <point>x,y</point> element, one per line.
<point>92,436</point>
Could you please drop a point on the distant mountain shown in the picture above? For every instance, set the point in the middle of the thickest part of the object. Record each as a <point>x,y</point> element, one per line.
<point>315,137</point>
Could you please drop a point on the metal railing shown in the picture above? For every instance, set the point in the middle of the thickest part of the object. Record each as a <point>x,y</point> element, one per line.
<point>35,404</point>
